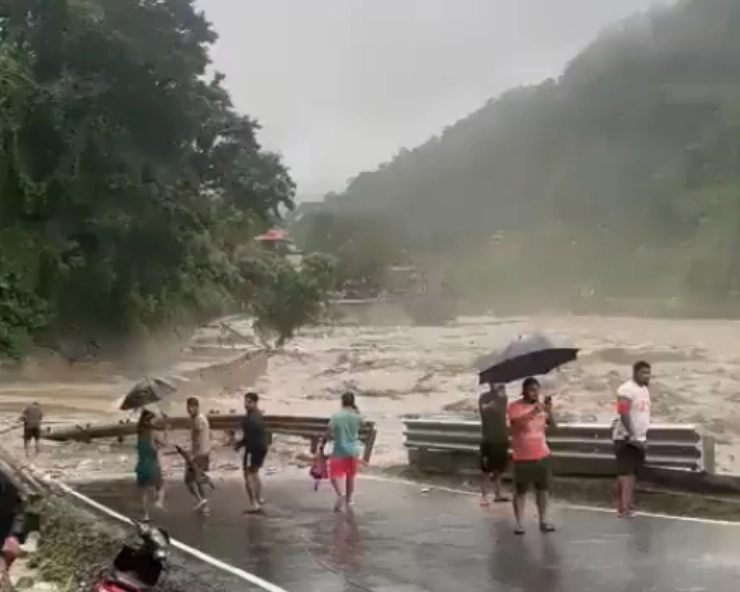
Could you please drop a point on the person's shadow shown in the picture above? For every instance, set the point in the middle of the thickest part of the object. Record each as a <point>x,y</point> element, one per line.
<point>530,563</point>
<point>260,547</point>
<point>346,548</point>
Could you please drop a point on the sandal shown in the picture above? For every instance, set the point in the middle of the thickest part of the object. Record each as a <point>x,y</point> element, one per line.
<point>546,527</point>
<point>484,503</point>
<point>518,529</point>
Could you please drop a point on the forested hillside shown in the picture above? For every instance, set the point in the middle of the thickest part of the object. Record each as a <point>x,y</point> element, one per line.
<point>620,179</point>
<point>127,180</point>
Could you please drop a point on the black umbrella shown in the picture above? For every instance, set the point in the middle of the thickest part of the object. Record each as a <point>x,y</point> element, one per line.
<point>528,356</point>
<point>147,392</point>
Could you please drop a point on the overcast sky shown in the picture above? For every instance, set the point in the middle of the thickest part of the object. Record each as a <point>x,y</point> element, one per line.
<point>341,85</point>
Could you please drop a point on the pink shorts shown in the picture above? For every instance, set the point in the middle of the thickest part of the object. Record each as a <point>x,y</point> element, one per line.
<point>342,467</point>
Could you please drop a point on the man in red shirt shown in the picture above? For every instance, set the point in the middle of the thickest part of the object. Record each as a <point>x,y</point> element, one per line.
<point>528,420</point>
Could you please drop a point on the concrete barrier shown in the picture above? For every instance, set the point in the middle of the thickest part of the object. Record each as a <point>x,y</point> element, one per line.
<point>452,446</point>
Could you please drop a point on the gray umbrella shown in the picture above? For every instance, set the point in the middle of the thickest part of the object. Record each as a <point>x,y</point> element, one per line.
<point>146,392</point>
<point>526,356</point>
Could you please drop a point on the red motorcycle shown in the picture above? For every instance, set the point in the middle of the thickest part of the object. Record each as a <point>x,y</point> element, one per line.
<point>137,568</point>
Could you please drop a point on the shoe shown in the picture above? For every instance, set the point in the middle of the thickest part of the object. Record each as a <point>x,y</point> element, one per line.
<point>546,527</point>
<point>339,504</point>
<point>518,529</point>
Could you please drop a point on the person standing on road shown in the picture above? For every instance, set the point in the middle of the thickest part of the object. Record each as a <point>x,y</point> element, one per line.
<point>494,447</point>
<point>528,420</point>
<point>344,430</point>
<point>200,438</point>
<point>630,434</point>
<point>148,467</point>
<point>255,443</point>
<point>31,419</point>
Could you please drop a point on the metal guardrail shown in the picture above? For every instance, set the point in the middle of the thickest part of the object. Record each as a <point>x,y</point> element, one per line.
<point>448,445</point>
<point>310,428</point>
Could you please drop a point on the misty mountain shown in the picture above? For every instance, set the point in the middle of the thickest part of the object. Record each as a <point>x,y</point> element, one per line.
<point>620,176</point>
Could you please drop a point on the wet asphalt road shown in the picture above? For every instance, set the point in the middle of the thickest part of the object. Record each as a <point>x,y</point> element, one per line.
<point>399,539</point>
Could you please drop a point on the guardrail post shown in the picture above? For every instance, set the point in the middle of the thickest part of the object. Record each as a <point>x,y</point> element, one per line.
<point>707,454</point>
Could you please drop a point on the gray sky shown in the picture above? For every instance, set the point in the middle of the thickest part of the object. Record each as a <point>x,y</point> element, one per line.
<point>341,85</point>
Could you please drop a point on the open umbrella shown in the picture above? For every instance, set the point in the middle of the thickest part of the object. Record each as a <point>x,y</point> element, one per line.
<point>147,392</point>
<point>528,356</point>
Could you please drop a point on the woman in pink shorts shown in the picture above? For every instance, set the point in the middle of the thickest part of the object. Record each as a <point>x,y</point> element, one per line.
<point>344,430</point>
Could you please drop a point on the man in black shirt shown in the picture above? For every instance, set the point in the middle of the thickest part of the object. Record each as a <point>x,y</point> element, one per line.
<point>254,442</point>
<point>494,447</point>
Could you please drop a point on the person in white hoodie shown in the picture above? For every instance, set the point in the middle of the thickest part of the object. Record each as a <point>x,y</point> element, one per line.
<point>630,434</point>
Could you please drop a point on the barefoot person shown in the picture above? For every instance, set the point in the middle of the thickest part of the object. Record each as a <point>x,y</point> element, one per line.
<point>494,447</point>
<point>344,430</point>
<point>31,419</point>
<point>148,467</point>
<point>528,419</point>
<point>200,438</point>
<point>630,434</point>
<point>254,442</point>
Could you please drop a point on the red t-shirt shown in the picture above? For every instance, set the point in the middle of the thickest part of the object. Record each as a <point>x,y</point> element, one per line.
<point>528,440</point>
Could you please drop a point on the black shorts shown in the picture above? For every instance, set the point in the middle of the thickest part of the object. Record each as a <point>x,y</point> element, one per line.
<point>31,434</point>
<point>254,459</point>
<point>630,457</point>
<point>532,473</point>
<point>494,457</point>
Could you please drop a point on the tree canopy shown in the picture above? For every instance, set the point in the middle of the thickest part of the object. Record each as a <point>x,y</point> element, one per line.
<point>620,178</point>
<point>127,178</point>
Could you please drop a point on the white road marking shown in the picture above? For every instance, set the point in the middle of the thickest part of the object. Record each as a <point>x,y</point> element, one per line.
<point>234,571</point>
<point>566,505</point>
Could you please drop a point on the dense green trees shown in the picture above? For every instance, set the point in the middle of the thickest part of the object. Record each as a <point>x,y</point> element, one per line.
<point>620,179</point>
<point>127,179</point>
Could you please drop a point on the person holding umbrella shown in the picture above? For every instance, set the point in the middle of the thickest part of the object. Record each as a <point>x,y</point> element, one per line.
<point>528,420</point>
<point>528,417</point>
<point>148,467</point>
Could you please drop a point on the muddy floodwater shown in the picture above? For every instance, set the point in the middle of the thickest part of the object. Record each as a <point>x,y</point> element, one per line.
<point>408,370</point>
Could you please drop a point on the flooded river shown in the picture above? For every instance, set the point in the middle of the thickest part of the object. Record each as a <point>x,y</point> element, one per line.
<point>408,370</point>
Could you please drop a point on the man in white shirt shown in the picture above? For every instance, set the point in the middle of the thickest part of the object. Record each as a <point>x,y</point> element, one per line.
<point>198,463</point>
<point>630,433</point>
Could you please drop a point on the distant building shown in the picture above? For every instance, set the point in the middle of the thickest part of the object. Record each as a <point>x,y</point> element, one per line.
<point>277,241</point>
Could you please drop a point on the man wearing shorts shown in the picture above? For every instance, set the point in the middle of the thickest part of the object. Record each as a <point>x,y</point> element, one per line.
<point>494,447</point>
<point>200,440</point>
<point>528,420</point>
<point>31,418</point>
<point>630,434</point>
<point>344,430</point>
<point>254,442</point>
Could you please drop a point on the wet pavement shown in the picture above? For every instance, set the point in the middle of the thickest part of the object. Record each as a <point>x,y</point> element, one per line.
<point>401,539</point>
